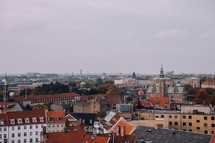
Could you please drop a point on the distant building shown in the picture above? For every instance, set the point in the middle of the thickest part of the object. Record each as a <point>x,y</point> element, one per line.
<point>208,84</point>
<point>164,87</point>
<point>86,107</point>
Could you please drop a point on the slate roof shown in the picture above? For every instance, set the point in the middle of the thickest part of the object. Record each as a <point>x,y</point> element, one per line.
<point>86,116</point>
<point>168,136</point>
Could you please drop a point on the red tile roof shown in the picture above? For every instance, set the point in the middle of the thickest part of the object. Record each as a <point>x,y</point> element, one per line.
<point>48,96</point>
<point>119,139</point>
<point>128,128</point>
<point>98,139</point>
<point>55,115</point>
<point>160,101</point>
<point>85,98</point>
<point>212,138</point>
<point>7,104</point>
<point>73,136</point>
<point>3,117</point>
<point>114,119</point>
<point>209,82</point>
<point>114,100</point>
<point>25,114</point>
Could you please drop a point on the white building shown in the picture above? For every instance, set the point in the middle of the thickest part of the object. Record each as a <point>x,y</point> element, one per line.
<point>26,126</point>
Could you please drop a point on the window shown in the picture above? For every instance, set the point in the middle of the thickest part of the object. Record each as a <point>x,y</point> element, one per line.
<point>190,124</point>
<point>27,120</point>
<point>53,125</point>
<point>212,118</point>
<point>205,125</point>
<point>197,121</point>
<point>190,130</point>
<point>19,134</point>
<point>5,129</point>
<point>37,139</point>
<point>58,125</point>
<point>13,135</point>
<point>162,116</point>
<point>184,123</point>
<point>170,116</point>
<point>30,133</point>
<point>34,120</point>
<point>198,128</point>
<point>31,140</point>
<point>5,136</point>
<point>12,128</point>
<point>12,121</point>
<point>25,134</point>
<point>59,119</point>
<point>184,117</point>
<point>51,119</point>
<point>25,127</point>
<point>212,125</point>
<point>0,129</point>
<point>205,118</point>
<point>30,126</point>
<point>13,141</point>
<point>19,127</point>
<point>25,140</point>
<point>19,141</point>
<point>206,132</point>
<point>170,123</point>
<point>190,117</point>
<point>62,125</point>
<point>36,132</point>
<point>0,136</point>
<point>176,123</point>
<point>19,121</point>
<point>36,126</point>
<point>176,117</point>
<point>184,129</point>
<point>41,119</point>
<point>156,116</point>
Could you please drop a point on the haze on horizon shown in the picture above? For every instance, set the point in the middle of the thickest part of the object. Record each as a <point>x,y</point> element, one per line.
<point>64,36</point>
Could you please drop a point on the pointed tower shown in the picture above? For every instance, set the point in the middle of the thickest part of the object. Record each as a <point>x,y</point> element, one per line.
<point>6,95</point>
<point>161,72</point>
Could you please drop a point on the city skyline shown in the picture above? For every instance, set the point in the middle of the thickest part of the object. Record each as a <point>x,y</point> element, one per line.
<point>99,36</point>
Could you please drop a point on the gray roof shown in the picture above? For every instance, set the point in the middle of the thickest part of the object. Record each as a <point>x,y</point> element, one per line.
<point>167,136</point>
<point>169,89</point>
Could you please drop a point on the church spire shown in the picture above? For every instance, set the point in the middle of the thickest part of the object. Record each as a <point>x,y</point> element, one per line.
<point>6,92</point>
<point>161,72</point>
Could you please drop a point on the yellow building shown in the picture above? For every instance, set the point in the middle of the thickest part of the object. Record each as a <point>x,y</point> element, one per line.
<point>202,123</point>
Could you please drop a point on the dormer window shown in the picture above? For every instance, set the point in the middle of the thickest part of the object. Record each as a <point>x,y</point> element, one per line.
<point>19,121</point>
<point>1,122</point>
<point>27,120</point>
<point>34,120</point>
<point>51,119</point>
<point>59,119</point>
<point>12,121</point>
<point>41,119</point>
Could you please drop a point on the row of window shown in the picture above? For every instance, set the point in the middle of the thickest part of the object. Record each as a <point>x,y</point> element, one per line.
<point>25,140</point>
<point>27,120</point>
<point>184,117</point>
<point>24,134</point>
<point>26,127</point>
<point>51,99</point>
<point>190,124</point>
<point>56,125</point>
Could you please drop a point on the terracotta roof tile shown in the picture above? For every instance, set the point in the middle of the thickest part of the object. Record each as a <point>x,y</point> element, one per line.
<point>55,115</point>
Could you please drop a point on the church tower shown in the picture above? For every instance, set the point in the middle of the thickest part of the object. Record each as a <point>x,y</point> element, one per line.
<point>6,95</point>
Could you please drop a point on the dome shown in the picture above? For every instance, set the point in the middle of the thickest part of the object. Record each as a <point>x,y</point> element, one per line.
<point>83,83</point>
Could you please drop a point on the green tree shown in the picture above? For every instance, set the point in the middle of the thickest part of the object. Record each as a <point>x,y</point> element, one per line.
<point>99,81</point>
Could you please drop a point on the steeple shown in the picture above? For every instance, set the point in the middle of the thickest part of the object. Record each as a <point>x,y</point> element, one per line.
<point>161,72</point>
<point>6,95</point>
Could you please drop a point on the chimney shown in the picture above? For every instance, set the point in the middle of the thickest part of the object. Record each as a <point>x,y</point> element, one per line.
<point>123,131</point>
<point>118,131</point>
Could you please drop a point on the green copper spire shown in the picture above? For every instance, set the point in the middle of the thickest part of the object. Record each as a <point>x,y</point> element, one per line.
<point>161,72</point>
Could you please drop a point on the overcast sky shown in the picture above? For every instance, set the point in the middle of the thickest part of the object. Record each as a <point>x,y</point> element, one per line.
<point>107,36</point>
